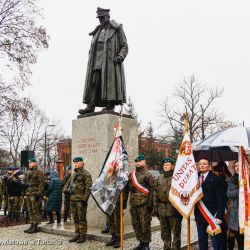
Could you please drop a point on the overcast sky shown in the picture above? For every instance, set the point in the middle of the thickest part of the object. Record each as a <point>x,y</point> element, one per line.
<point>167,41</point>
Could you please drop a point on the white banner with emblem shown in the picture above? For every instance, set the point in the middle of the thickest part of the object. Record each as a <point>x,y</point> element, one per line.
<point>185,189</point>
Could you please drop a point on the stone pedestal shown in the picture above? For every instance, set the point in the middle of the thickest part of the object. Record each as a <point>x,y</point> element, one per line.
<point>92,137</point>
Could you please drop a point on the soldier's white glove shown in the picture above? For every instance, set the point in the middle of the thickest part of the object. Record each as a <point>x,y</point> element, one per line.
<point>217,221</point>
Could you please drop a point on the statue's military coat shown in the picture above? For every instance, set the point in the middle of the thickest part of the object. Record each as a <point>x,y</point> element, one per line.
<point>112,75</point>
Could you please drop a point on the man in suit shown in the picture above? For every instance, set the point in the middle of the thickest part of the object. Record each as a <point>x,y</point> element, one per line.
<point>214,200</point>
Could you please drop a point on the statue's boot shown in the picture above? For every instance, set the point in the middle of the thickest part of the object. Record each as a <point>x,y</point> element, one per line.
<point>110,108</point>
<point>89,109</point>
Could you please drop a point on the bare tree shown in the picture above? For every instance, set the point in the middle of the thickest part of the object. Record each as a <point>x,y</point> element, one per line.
<point>198,101</point>
<point>25,130</point>
<point>13,124</point>
<point>21,36</point>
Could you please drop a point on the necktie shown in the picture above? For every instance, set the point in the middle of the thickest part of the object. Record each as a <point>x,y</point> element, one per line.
<point>202,178</point>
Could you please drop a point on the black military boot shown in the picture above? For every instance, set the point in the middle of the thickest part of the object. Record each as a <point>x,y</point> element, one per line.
<point>81,239</point>
<point>75,238</point>
<point>139,247</point>
<point>146,246</point>
<point>117,242</point>
<point>58,217</point>
<point>33,229</point>
<point>112,241</point>
<point>28,229</point>
<point>51,219</point>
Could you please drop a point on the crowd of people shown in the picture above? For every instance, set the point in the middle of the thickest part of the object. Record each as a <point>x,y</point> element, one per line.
<point>43,192</point>
<point>35,194</point>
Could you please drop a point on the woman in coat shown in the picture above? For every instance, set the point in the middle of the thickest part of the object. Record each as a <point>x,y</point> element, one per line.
<point>233,219</point>
<point>54,194</point>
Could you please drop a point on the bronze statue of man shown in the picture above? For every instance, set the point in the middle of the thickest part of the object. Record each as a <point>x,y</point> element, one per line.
<point>105,81</point>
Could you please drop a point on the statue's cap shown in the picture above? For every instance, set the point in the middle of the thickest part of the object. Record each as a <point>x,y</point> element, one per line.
<point>102,12</point>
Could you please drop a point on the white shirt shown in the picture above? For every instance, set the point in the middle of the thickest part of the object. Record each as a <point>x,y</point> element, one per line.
<point>205,176</point>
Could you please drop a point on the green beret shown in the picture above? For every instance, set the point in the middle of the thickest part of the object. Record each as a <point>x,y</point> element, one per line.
<point>168,159</point>
<point>77,159</point>
<point>140,157</point>
<point>32,159</point>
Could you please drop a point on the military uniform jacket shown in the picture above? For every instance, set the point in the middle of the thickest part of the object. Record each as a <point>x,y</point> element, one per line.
<point>145,179</point>
<point>162,205</point>
<point>35,181</point>
<point>79,184</point>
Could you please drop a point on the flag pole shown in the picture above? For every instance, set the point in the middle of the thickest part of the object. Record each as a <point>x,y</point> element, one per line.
<point>188,219</point>
<point>121,194</point>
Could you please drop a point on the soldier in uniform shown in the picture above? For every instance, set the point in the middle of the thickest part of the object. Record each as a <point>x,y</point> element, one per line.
<point>6,179</point>
<point>78,186</point>
<point>34,180</point>
<point>66,194</point>
<point>170,218</point>
<point>15,188</point>
<point>140,186</point>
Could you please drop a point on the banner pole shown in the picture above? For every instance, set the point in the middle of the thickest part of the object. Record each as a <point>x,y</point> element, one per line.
<point>121,221</point>
<point>121,194</point>
<point>188,233</point>
<point>188,219</point>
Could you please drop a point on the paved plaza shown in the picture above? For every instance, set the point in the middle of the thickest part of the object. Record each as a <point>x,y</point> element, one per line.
<point>14,238</point>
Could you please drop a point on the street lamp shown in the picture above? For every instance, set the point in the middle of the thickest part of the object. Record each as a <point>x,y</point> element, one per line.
<point>45,145</point>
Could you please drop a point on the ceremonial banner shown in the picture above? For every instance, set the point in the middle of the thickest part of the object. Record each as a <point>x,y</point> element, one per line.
<point>243,190</point>
<point>185,187</point>
<point>113,177</point>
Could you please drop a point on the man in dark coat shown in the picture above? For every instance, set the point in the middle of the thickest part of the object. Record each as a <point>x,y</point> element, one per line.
<point>105,81</point>
<point>214,200</point>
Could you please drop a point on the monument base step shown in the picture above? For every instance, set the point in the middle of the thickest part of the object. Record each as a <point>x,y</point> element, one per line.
<point>68,229</point>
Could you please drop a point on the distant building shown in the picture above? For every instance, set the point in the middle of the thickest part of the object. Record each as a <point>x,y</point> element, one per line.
<point>64,151</point>
<point>159,145</point>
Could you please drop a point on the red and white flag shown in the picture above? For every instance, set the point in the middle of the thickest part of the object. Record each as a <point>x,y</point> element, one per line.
<point>185,189</point>
<point>243,189</point>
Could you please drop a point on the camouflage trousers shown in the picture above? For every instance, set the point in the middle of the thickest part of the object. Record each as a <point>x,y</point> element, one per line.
<point>170,232</point>
<point>141,222</point>
<point>33,209</point>
<point>79,213</point>
<point>114,222</point>
<point>14,205</point>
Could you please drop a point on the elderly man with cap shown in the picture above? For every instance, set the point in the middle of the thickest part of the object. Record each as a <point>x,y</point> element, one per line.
<point>34,180</point>
<point>78,186</point>
<point>170,219</point>
<point>105,80</point>
<point>141,186</point>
